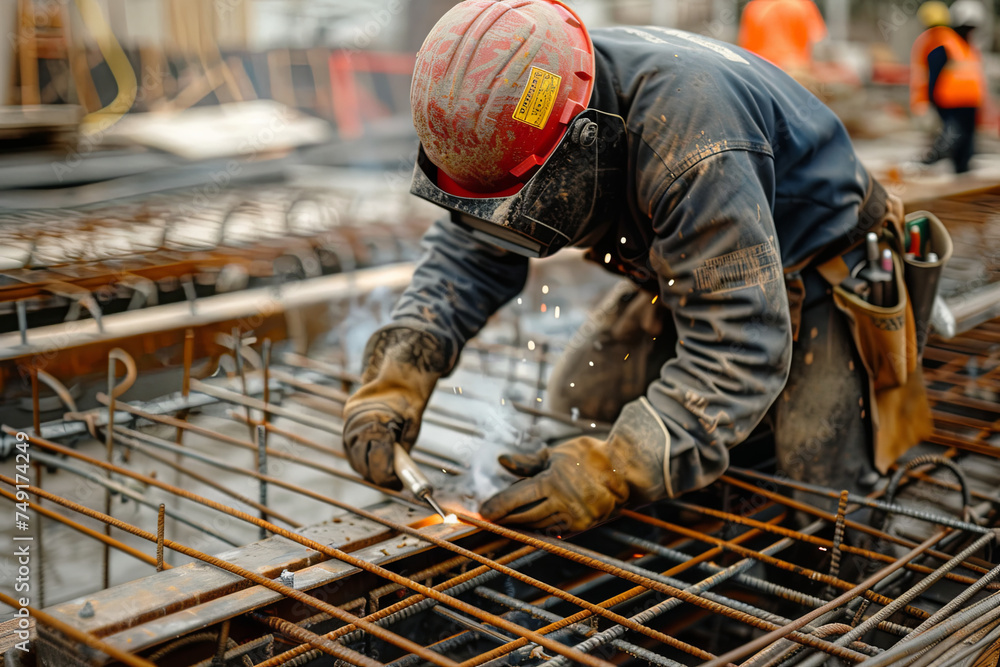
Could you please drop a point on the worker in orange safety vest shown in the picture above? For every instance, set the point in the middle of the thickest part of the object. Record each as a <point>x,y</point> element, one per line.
<point>783,31</point>
<point>947,73</point>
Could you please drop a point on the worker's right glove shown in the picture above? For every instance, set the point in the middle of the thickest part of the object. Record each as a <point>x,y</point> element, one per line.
<point>401,367</point>
<point>583,481</point>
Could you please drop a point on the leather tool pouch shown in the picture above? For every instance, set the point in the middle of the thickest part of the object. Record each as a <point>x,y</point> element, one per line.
<point>887,340</point>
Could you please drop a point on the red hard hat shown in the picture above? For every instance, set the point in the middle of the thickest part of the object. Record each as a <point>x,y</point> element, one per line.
<point>496,84</point>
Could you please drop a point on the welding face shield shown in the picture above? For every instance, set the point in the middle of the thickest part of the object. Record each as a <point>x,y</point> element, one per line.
<point>578,189</point>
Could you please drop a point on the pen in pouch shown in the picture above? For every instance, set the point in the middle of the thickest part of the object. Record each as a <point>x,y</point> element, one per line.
<point>872,272</point>
<point>889,295</point>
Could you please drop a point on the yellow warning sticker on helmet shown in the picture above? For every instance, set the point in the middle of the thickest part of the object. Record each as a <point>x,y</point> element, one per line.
<point>538,98</point>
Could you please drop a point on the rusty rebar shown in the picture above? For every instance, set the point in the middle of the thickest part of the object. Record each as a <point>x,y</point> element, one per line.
<point>400,606</point>
<point>265,356</point>
<point>630,594</point>
<point>887,611</point>
<point>809,539</point>
<point>823,492</point>
<point>77,635</point>
<point>770,560</point>
<point>223,641</point>
<point>36,424</point>
<point>791,503</point>
<point>160,526</point>
<point>838,534</point>
<point>134,436</point>
<point>714,607</point>
<point>436,463</point>
<point>85,530</point>
<point>787,631</point>
<point>262,470</point>
<point>254,577</point>
<point>444,544</point>
<point>338,554</point>
<point>309,638</point>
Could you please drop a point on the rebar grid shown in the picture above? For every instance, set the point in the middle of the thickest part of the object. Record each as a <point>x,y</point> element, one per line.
<point>646,601</point>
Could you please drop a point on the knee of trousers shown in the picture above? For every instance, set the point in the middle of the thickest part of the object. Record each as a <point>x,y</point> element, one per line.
<point>611,359</point>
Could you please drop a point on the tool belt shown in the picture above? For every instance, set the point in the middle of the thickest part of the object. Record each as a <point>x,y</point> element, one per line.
<point>889,339</point>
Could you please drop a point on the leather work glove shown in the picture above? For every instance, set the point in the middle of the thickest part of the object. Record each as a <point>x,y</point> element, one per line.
<point>582,482</point>
<point>402,366</point>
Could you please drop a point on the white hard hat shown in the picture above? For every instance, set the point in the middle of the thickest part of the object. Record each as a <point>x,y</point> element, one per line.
<point>967,13</point>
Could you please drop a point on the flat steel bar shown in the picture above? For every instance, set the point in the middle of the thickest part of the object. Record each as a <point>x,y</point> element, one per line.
<point>84,638</point>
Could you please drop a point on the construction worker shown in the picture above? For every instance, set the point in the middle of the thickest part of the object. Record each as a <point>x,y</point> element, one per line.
<point>689,166</point>
<point>783,31</point>
<point>947,73</point>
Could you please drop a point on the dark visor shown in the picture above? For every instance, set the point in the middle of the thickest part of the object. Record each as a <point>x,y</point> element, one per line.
<point>580,183</point>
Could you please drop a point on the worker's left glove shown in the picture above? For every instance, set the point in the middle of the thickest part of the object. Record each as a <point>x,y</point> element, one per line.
<point>402,366</point>
<point>581,482</point>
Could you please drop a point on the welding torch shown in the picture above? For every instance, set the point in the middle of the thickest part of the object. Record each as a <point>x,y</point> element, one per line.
<point>412,478</point>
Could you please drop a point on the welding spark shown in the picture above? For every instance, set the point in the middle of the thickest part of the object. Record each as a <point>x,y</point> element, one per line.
<point>531,345</point>
<point>557,312</point>
<point>591,363</point>
<point>607,258</point>
<point>545,289</point>
<point>623,240</point>
<point>655,298</point>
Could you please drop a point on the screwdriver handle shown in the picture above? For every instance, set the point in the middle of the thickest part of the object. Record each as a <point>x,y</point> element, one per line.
<point>409,473</point>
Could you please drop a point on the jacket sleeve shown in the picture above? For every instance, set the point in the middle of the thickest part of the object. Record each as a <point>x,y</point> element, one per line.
<point>458,283</point>
<point>936,60</point>
<point>718,264</point>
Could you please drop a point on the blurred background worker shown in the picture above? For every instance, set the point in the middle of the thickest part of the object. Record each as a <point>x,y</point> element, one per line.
<point>947,73</point>
<point>537,135</point>
<point>784,32</point>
